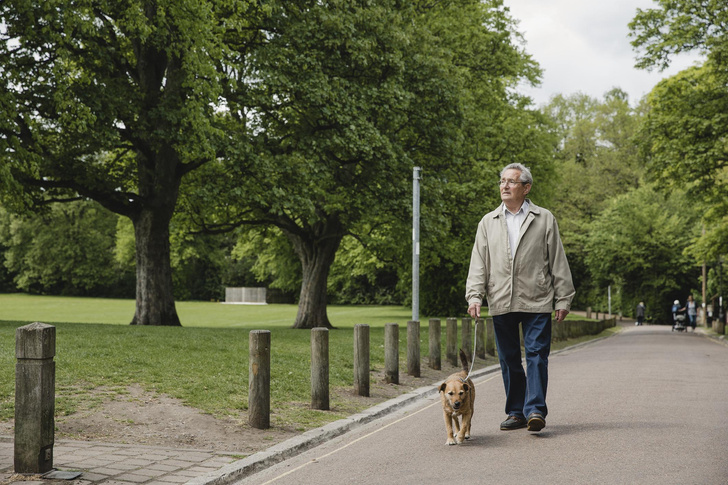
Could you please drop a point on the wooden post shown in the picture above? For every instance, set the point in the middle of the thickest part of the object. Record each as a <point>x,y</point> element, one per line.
<point>391,353</point>
<point>413,348</point>
<point>320,368</point>
<point>451,346</point>
<point>259,379</point>
<point>480,339</point>
<point>467,337</point>
<point>435,344</point>
<point>361,359</point>
<point>35,381</point>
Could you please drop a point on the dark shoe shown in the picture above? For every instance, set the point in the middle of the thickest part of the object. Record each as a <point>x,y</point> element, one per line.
<point>536,422</point>
<point>513,422</point>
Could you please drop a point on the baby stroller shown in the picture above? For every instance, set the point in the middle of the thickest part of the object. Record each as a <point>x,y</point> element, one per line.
<point>679,324</point>
<point>678,317</point>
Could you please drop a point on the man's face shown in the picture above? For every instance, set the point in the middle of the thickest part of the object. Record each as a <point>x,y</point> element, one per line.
<point>513,193</point>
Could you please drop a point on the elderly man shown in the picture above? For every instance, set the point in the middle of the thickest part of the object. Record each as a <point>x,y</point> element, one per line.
<point>518,263</point>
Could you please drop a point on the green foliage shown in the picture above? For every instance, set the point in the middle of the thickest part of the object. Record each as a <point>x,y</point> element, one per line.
<point>638,243</point>
<point>302,115</point>
<point>341,113</point>
<point>359,277</point>
<point>597,160</point>
<point>66,250</point>
<point>80,248</point>
<point>271,258</point>
<point>684,135</point>
<point>116,102</point>
<point>94,88</point>
<point>681,26</point>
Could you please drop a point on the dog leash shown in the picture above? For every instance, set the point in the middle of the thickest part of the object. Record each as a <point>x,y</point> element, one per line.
<point>472,360</point>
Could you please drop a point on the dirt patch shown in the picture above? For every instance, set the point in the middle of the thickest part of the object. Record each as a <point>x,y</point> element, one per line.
<point>147,418</point>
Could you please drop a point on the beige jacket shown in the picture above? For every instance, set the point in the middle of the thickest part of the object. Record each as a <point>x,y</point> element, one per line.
<point>532,280</point>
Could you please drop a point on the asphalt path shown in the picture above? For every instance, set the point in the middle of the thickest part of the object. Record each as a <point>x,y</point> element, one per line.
<point>646,406</point>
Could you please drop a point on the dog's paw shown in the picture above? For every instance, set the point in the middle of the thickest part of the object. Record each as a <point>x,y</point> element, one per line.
<point>467,436</point>
<point>451,441</point>
<point>458,439</point>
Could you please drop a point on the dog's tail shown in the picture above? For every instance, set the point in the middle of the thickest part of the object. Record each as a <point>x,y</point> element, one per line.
<point>464,360</point>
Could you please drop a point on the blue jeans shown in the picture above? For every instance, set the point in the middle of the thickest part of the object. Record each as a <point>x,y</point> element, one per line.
<point>525,393</point>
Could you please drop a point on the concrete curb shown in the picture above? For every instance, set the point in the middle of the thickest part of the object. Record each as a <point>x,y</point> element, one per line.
<point>312,438</point>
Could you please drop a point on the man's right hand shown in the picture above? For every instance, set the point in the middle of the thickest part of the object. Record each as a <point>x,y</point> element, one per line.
<point>474,310</point>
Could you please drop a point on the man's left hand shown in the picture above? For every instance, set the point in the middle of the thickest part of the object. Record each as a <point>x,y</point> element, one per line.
<point>561,314</point>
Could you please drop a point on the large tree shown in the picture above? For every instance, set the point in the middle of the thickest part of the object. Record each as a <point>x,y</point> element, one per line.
<point>637,244</point>
<point>686,129</point>
<point>342,93</point>
<point>680,26</point>
<point>115,101</point>
<point>597,159</point>
<point>344,111</point>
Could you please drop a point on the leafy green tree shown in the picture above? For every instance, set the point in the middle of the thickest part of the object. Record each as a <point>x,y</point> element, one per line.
<point>687,125</point>
<point>681,26</point>
<point>343,94</point>
<point>638,245</point>
<point>66,250</point>
<point>116,101</point>
<point>597,159</point>
<point>347,110</point>
<point>683,137</point>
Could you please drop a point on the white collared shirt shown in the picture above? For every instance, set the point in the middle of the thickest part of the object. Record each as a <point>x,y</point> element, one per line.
<point>514,222</point>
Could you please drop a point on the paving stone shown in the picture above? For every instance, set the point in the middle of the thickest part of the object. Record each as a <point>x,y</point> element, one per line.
<point>163,467</point>
<point>133,478</point>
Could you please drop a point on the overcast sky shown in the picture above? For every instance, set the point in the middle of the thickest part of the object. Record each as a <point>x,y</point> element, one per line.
<point>582,46</point>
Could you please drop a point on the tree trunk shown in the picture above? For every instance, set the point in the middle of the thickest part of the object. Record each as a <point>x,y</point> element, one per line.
<point>317,252</point>
<point>154,289</point>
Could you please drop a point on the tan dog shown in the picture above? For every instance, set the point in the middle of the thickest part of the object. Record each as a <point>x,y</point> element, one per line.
<point>458,397</point>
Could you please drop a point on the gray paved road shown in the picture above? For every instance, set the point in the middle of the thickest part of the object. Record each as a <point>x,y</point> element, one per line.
<point>646,406</point>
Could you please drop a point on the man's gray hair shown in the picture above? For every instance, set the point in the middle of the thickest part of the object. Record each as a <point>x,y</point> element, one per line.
<point>525,172</point>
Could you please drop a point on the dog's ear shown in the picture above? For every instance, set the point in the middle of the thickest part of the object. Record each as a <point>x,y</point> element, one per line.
<point>442,387</point>
<point>466,387</point>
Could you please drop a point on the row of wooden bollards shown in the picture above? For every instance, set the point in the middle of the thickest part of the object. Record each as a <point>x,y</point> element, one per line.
<point>260,348</point>
<point>259,367</point>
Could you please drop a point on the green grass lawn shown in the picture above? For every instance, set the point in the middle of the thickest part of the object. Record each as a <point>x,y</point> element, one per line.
<point>21,307</point>
<point>204,363</point>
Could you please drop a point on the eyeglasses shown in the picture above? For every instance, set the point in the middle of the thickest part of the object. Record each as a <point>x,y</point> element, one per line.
<point>504,183</point>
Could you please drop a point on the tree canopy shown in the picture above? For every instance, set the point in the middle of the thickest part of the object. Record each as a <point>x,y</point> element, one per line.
<point>115,102</point>
<point>680,26</point>
<point>341,113</point>
<point>637,244</point>
<point>686,127</point>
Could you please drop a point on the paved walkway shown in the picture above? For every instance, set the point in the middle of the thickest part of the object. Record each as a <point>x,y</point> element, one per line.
<point>646,407</point>
<point>112,464</point>
<point>646,384</point>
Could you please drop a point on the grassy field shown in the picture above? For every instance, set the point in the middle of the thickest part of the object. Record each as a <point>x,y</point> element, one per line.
<point>204,363</point>
<point>20,307</point>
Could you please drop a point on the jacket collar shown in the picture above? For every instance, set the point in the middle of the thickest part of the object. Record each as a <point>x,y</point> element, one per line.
<point>532,208</point>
